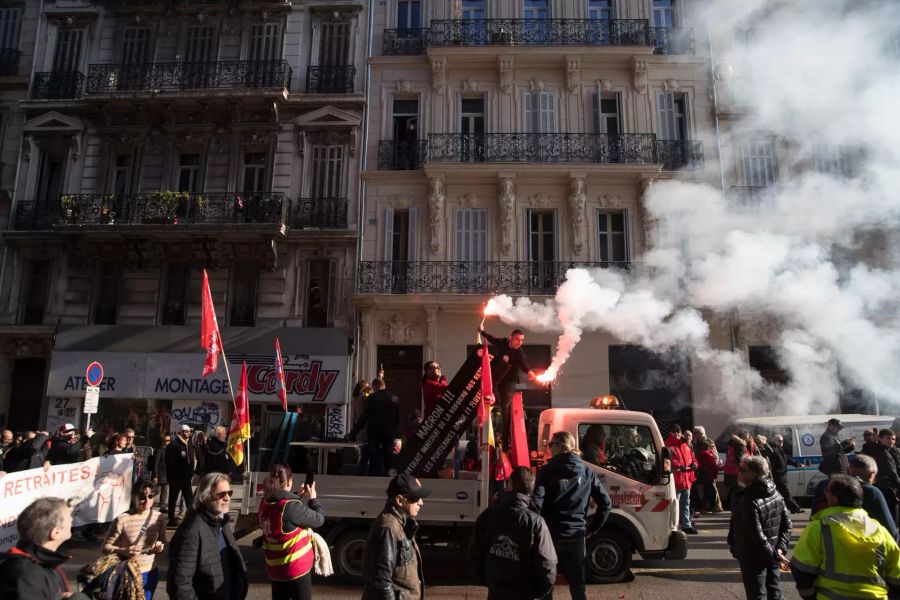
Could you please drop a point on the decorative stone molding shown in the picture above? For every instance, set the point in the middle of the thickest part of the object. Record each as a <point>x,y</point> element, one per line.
<point>507,205</point>
<point>471,85</point>
<point>605,85</point>
<point>537,85</point>
<point>505,65</point>
<point>670,85</point>
<point>330,137</point>
<point>573,74</point>
<point>577,200</point>
<point>405,86</point>
<point>267,137</point>
<point>610,201</point>
<point>640,76</point>
<point>401,201</point>
<point>301,141</point>
<point>28,347</point>
<point>398,330</point>
<point>27,147</point>
<point>436,198</point>
<point>438,74</point>
<point>758,329</point>
<point>540,200</point>
<point>469,201</point>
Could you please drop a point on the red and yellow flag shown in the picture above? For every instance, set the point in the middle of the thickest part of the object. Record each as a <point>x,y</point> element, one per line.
<point>239,431</point>
<point>280,388</point>
<point>210,340</point>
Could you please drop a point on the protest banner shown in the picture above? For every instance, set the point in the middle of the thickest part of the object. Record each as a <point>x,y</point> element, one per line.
<point>98,490</point>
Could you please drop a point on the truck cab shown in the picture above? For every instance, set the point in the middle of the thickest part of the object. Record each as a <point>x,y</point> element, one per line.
<point>626,450</point>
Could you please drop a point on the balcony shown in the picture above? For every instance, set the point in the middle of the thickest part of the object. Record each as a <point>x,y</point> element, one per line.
<point>749,195</point>
<point>57,85</point>
<point>337,79</point>
<point>398,155</point>
<point>405,41</point>
<point>9,62</point>
<point>320,213</point>
<point>597,148</point>
<point>155,208</point>
<point>155,77</point>
<point>680,154</point>
<point>539,32</point>
<point>464,277</point>
<point>672,41</point>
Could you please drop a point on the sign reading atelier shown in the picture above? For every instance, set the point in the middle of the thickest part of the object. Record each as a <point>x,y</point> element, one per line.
<point>424,454</point>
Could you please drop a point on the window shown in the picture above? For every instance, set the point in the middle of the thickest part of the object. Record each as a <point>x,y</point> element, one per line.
<point>405,120</point>
<point>50,177</point>
<point>177,278</point>
<point>10,19</point>
<point>542,249</point>
<point>254,172</point>
<point>67,53</point>
<point>765,360</point>
<point>606,113</point>
<point>107,294</point>
<point>758,162</point>
<point>327,175</point>
<point>136,46</point>
<point>125,173</point>
<point>264,42</point>
<point>536,9</point>
<point>400,244</point>
<point>612,243</point>
<point>471,126</point>
<point>244,280</point>
<point>189,172</point>
<point>334,46</point>
<point>409,14</point>
<point>472,10</point>
<point>318,293</point>
<point>832,160</point>
<point>540,112</point>
<point>600,10</point>
<point>626,449</point>
<point>36,287</point>
<point>672,116</point>
<point>199,45</point>
<point>471,234</point>
<point>664,13</point>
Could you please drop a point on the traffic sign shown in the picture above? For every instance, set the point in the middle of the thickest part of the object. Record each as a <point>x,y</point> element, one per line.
<point>94,374</point>
<point>91,399</point>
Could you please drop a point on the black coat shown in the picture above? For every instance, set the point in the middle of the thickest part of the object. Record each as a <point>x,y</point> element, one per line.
<point>299,514</point>
<point>563,489</point>
<point>778,462</point>
<point>29,454</point>
<point>517,361</point>
<point>36,575</point>
<point>381,417</point>
<point>511,551</point>
<point>195,563</point>
<point>887,478</point>
<point>179,461</point>
<point>215,457</point>
<point>760,524</point>
<point>834,453</point>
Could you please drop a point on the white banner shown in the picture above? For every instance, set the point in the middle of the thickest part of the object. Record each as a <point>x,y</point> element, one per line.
<point>98,490</point>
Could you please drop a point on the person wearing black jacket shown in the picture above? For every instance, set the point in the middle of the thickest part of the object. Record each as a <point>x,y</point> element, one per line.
<point>65,449</point>
<point>760,530</point>
<point>888,479</point>
<point>205,562</point>
<point>381,418</point>
<point>834,450</point>
<point>511,551</point>
<point>510,351</point>
<point>563,490</point>
<point>29,454</point>
<point>216,459</point>
<point>180,469</point>
<point>779,462</point>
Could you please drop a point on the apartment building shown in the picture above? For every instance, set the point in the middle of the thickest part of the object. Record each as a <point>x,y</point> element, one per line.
<point>162,138</point>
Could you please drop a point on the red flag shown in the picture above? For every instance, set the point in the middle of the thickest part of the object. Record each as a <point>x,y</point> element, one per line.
<point>210,340</point>
<point>519,447</point>
<point>280,388</point>
<point>240,421</point>
<point>487,386</point>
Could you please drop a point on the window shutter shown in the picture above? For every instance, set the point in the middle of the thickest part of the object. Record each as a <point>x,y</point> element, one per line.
<point>9,27</point>
<point>481,235</point>
<point>462,250</point>
<point>388,234</point>
<point>530,113</point>
<point>627,253</point>
<point>666,103</point>
<point>413,233</point>
<point>548,112</point>
<point>595,103</point>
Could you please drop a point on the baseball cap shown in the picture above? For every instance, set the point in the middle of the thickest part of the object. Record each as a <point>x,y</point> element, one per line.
<point>836,422</point>
<point>405,484</point>
<point>185,428</point>
<point>66,428</point>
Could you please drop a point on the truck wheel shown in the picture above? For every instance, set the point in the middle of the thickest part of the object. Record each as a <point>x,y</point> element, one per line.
<point>348,555</point>
<point>609,555</point>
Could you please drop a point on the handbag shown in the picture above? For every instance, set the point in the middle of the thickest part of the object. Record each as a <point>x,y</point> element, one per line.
<point>111,578</point>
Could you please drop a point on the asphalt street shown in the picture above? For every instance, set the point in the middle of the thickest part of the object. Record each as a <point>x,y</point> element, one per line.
<point>708,572</point>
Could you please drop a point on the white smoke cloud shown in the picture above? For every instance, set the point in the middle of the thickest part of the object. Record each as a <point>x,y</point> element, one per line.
<point>816,73</point>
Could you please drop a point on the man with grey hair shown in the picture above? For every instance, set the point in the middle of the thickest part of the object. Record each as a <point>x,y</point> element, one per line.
<point>779,462</point>
<point>31,570</point>
<point>215,457</point>
<point>760,530</point>
<point>865,469</point>
<point>205,562</point>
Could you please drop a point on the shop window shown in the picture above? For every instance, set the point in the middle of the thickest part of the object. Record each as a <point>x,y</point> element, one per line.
<point>36,285</point>
<point>243,295</point>
<point>177,277</point>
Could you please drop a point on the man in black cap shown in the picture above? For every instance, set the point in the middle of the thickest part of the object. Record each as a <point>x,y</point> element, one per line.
<point>834,451</point>
<point>392,565</point>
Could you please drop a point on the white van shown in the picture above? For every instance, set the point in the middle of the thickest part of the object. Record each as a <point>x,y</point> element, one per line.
<point>801,442</point>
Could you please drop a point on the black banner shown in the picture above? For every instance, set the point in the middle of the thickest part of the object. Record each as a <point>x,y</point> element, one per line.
<point>424,454</point>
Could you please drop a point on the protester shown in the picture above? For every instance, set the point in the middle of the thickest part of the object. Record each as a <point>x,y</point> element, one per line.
<point>29,454</point>
<point>510,351</point>
<point>392,564</point>
<point>888,479</point>
<point>32,569</point>
<point>286,523</point>
<point>180,469</point>
<point>593,445</point>
<point>66,448</point>
<point>215,457</point>
<point>7,443</point>
<point>381,418</point>
<point>864,468</point>
<point>139,534</point>
<point>129,440</point>
<point>760,530</point>
<point>361,391</point>
<point>205,562</point>
<point>778,463</point>
<point>698,490</point>
<point>433,386</point>
<point>563,490</point>
<point>683,467</point>
<point>708,469</point>
<point>160,478</point>
<point>511,551</point>
<point>843,552</point>
<point>117,445</point>
<point>687,436</point>
<point>834,451</point>
<point>870,440</point>
<point>737,449</point>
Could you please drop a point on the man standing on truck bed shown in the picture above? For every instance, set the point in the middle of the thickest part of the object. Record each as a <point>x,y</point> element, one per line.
<point>510,351</point>
<point>834,451</point>
<point>562,492</point>
<point>381,418</point>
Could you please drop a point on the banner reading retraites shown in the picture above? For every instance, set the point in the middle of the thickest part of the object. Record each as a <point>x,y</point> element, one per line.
<point>98,490</point>
<point>424,454</point>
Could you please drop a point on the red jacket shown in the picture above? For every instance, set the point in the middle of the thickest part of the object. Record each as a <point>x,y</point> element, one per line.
<point>709,464</point>
<point>683,462</point>
<point>432,389</point>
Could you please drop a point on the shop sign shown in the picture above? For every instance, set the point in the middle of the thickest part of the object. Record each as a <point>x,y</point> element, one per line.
<point>61,411</point>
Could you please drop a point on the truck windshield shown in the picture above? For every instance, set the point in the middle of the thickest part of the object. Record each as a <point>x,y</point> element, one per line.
<point>626,449</point>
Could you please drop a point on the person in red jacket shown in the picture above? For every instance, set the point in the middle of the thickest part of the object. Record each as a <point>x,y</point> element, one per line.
<point>683,467</point>
<point>433,386</point>
<point>708,471</point>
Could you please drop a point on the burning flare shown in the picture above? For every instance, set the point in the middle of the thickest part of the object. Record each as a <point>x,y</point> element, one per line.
<point>547,376</point>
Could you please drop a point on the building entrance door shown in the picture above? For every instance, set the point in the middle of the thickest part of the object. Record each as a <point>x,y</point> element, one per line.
<point>403,375</point>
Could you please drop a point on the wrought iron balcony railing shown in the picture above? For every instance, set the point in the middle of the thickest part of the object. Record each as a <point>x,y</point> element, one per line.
<point>320,213</point>
<point>622,148</point>
<point>539,32</point>
<point>155,208</point>
<point>749,194</point>
<point>335,79</point>
<point>670,40</point>
<point>465,277</point>
<point>398,155</point>
<point>57,85</point>
<point>188,75</point>
<point>405,41</point>
<point>9,62</point>
<point>680,154</point>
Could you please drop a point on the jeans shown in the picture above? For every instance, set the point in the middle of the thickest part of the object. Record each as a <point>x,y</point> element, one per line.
<point>150,579</point>
<point>570,552</point>
<point>163,497</point>
<point>295,589</point>
<point>684,508</point>
<point>761,583</point>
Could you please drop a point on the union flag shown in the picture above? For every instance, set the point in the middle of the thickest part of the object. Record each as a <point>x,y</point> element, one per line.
<point>210,340</point>
<point>239,432</point>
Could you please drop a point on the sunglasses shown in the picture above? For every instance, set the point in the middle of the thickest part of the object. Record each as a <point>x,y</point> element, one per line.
<point>223,495</point>
<point>143,497</point>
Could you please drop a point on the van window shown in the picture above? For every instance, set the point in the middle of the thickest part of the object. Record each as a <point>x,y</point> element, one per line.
<point>624,449</point>
<point>545,437</point>
<point>769,432</point>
